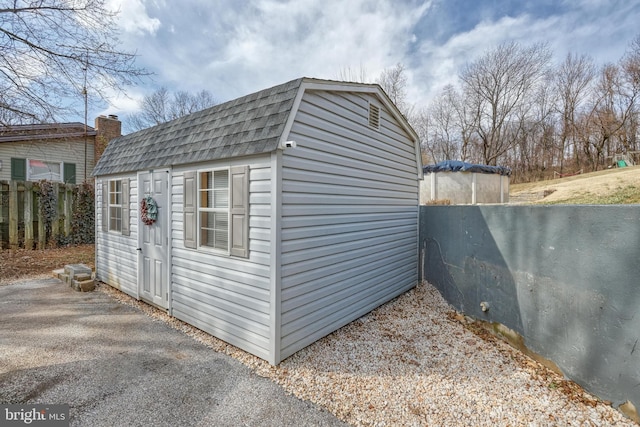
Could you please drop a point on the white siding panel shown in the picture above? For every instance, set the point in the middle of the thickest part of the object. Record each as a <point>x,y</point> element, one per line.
<point>242,338</point>
<point>116,255</point>
<point>358,105</point>
<point>328,117</point>
<point>311,315</point>
<point>226,296</point>
<point>314,165</point>
<point>349,216</point>
<point>334,255</point>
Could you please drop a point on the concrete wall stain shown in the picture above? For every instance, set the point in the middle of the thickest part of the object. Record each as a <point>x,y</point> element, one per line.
<point>558,282</point>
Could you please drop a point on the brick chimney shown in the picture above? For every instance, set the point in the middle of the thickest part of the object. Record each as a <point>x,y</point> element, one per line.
<point>107,128</point>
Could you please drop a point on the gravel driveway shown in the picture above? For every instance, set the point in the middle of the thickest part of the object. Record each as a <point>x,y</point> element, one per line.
<point>116,366</point>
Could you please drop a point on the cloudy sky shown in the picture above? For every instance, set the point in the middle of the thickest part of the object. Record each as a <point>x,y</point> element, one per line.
<point>235,47</point>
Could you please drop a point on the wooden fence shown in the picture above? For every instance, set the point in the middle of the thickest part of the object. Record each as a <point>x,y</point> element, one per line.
<point>20,221</point>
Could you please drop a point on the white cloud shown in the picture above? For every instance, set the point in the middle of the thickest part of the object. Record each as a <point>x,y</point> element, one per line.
<point>133,17</point>
<point>285,40</point>
<point>593,27</point>
<point>233,48</point>
<point>122,105</point>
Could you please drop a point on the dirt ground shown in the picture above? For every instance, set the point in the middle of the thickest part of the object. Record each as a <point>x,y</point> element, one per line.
<point>18,264</point>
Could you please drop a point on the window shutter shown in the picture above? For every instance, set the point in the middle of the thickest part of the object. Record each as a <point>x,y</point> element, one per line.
<point>69,174</point>
<point>125,208</point>
<point>105,205</point>
<point>239,211</point>
<point>189,206</point>
<point>18,169</point>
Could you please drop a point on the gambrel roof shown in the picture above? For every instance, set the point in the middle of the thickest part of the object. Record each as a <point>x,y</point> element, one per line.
<point>252,124</point>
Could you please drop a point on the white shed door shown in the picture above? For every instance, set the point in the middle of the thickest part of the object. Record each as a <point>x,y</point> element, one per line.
<point>153,247</point>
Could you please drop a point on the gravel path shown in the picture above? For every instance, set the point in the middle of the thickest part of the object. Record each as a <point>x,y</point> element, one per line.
<point>414,362</point>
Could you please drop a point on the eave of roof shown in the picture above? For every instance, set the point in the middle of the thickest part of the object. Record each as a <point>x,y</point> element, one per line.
<point>45,131</point>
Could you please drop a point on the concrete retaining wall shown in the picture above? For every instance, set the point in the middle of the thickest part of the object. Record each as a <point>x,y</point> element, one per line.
<point>566,278</point>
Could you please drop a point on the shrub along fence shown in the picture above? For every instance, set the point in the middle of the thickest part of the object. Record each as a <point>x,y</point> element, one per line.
<point>45,214</point>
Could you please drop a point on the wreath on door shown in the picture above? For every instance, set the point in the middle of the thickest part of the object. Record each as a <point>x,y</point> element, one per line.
<point>148,210</point>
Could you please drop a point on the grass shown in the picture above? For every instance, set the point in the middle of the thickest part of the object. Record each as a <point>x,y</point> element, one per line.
<point>606,187</point>
<point>621,196</point>
<point>528,186</point>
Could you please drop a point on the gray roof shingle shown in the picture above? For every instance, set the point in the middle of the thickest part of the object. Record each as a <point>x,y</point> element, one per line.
<point>248,125</point>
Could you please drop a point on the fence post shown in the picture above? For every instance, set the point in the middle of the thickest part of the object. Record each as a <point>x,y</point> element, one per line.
<point>13,214</point>
<point>2,214</point>
<point>55,224</point>
<point>42,234</point>
<point>68,202</point>
<point>28,215</point>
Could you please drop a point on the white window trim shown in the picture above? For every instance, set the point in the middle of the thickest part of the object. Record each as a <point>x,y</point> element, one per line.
<point>30,178</point>
<point>199,209</point>
<point>114,205</point>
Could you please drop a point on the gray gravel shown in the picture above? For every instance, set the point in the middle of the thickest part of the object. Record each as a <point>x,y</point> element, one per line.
<point>116,366</point>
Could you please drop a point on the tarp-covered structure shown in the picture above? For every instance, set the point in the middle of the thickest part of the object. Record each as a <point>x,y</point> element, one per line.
<point>459,166</point>
<point>461,183</point>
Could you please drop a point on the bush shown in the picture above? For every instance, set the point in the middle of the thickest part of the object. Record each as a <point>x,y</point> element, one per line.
<point>83,219</point>
<point>47,205</point>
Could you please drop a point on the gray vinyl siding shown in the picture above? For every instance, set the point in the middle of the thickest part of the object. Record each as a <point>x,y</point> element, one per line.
<point>48,151</point>
<point>226,296</point>
<point>349,216</point>
<point>116,255</point>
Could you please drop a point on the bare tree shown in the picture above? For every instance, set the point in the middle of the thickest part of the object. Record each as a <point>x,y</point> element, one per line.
<point>394,82</point>
<point>573,79</point>
<point>439,128</point>
<point>631,68</point>
<point>161,107</point>
<point>497,87</point>
<point>53,52</point>
<point>612,107</point>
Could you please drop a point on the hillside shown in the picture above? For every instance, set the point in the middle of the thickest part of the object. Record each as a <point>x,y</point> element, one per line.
<point>611,186</point>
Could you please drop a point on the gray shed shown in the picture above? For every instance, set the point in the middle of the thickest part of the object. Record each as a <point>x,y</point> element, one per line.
<point>282,215</point>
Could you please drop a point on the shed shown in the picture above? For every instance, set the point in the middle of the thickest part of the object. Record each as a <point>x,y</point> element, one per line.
<point>463,183</point>
<point>282,215</point>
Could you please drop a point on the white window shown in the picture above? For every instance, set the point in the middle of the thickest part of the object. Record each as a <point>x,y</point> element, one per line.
<point>38,170</point>
<point>115,205</point>
<point>216,210</point>
<point>213,209</point>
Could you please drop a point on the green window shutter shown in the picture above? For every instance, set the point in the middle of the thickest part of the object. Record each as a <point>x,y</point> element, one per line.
<point>69,174</point>
<point>239,205</point>
<point>18,169</point>
<point>105,205</point>
<point>125,208</point>
<point>190,222</point>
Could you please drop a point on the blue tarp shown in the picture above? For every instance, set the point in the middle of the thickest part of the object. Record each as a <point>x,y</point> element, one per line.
<point>458,166</point>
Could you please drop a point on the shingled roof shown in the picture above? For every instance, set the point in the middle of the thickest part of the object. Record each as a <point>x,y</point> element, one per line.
<point>44,131</point>
<point>248,125</point>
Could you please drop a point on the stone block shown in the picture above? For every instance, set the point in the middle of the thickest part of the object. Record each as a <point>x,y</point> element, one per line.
<point>84,285</point>
<point>75,269</point>
<point>82,277</point>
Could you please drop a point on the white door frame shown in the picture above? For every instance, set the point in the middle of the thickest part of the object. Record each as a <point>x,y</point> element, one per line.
<point>165,205</point>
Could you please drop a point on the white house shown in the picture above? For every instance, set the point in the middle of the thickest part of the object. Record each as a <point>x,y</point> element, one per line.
<point>282,215</point>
